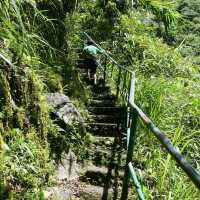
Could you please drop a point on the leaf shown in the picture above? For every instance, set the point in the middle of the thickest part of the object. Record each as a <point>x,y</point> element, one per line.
<point>28,150</point>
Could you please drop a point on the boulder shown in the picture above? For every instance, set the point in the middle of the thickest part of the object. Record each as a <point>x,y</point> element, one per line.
<point>64,109</point>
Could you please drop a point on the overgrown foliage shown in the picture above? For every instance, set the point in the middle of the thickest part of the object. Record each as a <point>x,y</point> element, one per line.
<point>35,37</point>
<point>39,37</point>
<point>187,33</point>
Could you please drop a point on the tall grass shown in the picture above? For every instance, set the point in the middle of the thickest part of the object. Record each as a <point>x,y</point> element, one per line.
<point>168,178</point>
<point>25,27</point>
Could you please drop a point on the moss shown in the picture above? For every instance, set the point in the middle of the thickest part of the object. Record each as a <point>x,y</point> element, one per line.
<point>36,106</point>
<point>53,80</point>
<point>19,118</point>
<point>25,165</point>
<point>25,123</point>
<point>6,106</point>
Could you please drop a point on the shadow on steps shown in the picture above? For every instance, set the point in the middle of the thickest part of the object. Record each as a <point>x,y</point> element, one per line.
<point>108,177</point>
<point>113,167</point>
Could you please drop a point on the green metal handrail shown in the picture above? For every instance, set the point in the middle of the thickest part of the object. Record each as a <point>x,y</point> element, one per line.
<point>134,112</point>
<point>124,75</point>
<point>135,181</point>
<point>125,88</point>
<point>105,52</point>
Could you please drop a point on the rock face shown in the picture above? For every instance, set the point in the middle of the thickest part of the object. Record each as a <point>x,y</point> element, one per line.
<point>63,108</point>
<point>67,170</point>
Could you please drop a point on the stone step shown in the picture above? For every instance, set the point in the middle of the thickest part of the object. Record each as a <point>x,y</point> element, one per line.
<point>99,89</point>
<point>105,156</point>
<point>92,192</point>
<point>103,141</point>
<point>104,96</point>
<point>102,103</point>
<point>103,129</point>
<point>89,82</point>
<point>57,192</point>
<point>101,175</point>
<point>106,118</point>
<point>77,190</point>
<point>81,70</point>
<point>100,93</point>
<point>106,110</point>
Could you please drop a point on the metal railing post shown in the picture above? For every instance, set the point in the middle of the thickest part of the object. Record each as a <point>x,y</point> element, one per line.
<point>105,70</point>
<point>134,116</point>
<point>136,182</point>
<point>118,83</point>
<point>112,70</point>
<point>124,82</point>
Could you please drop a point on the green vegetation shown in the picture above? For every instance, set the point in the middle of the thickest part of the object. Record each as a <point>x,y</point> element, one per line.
<point>33,38</point>
<point>158,39</point>
<point>167,89</point>
<point>188,31</point>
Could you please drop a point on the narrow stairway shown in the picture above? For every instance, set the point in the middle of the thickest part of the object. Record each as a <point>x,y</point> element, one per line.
<point>106,158</point>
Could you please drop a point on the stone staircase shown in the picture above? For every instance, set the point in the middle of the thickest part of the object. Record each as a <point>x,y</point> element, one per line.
<point>106,155</point>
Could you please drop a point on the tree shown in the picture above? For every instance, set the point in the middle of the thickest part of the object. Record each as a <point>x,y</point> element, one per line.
<point>164,11</point>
